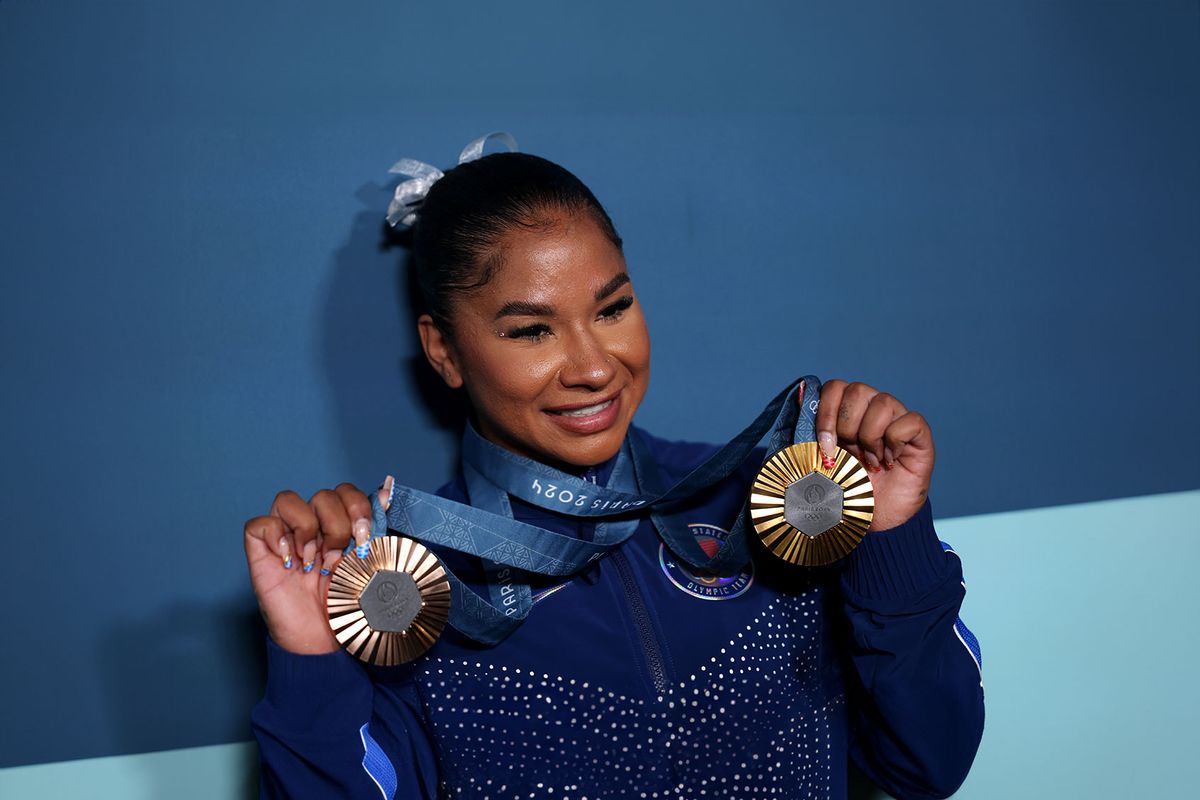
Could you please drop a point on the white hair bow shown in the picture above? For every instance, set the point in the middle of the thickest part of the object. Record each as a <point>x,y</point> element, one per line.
<point>411,193</point>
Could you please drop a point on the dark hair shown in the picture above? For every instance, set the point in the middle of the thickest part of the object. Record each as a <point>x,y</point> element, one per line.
<point>459,225</point>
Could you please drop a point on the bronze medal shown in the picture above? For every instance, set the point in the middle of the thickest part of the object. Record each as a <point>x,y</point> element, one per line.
<point>391,606</point>
<point>809,510</point>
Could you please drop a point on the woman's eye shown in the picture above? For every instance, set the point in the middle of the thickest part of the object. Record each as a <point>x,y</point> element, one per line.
<point>531,332</point>
<point>615,310</point>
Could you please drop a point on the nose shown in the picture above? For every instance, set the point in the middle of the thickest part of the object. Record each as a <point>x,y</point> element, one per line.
<point>586,363</point>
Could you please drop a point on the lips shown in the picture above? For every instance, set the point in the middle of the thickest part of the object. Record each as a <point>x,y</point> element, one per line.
<point>587,418</point>
<point>586,411</point>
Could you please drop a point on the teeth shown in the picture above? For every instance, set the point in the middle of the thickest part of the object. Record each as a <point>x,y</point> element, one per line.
<point>585,412</point>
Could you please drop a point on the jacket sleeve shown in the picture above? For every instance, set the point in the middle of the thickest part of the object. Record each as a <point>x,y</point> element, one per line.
<point>915,687</point>
<point>328,727</point>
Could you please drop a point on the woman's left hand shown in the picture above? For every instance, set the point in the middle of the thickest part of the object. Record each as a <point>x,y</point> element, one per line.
<point>894,444</point>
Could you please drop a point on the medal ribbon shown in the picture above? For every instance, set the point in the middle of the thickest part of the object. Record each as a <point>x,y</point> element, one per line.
<point>486,528</point>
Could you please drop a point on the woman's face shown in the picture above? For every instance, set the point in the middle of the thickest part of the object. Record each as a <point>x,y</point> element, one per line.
<point>553,351</point>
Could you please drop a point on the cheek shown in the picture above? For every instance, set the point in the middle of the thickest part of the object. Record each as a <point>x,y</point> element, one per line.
<point>632,347</point>
<point>521,375</point>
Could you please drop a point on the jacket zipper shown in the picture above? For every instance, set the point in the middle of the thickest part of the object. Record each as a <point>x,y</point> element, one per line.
<point>641,619</point>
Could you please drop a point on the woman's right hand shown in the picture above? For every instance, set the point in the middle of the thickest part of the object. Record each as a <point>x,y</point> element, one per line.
<point>291,553</point>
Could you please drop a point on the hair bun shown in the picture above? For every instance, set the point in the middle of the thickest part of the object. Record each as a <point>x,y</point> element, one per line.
<point>411,193</point>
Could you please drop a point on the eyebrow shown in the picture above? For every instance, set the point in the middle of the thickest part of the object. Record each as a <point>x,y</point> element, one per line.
<point>612,286</point>
<point>521,308</point>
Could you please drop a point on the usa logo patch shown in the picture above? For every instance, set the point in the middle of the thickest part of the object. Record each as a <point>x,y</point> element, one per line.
<point>706,587</point>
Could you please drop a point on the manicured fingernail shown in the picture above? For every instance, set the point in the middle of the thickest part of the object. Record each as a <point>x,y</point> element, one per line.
<point>827,462</point>
<point>871,461</point>
<point>285,552</point>
<point>385,493</point>
<point>362,537</point>
<point>888,458</point>
<point>828,443</point>
<point>324,571</point>
<point>310,555</point>
<point>329,562</point>
<point>362,530</point>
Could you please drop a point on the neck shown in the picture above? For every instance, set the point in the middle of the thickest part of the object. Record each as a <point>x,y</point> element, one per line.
<point>602,469</point>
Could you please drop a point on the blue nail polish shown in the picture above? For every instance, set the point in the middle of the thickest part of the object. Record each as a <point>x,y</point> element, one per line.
<point>287,564</point>
<point>362,550</point>
<point>308,567</point>
<point>324,571</point>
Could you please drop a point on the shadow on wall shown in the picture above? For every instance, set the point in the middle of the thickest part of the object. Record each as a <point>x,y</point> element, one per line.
<point>162,673</point>
<point>368,330</point>
<point>165,671</point>
<point>447,407</point>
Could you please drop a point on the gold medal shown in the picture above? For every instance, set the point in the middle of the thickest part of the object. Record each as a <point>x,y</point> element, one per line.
<point>810,510</point>
<point>391,606</point>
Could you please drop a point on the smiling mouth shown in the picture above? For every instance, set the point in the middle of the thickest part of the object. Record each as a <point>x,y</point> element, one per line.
<point>587,411</point>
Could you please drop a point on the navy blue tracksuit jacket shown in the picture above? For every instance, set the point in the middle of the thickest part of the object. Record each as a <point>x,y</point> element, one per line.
<point>637,679</point>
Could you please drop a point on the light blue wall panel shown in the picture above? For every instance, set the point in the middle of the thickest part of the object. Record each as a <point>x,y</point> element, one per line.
<point>1086,615</point>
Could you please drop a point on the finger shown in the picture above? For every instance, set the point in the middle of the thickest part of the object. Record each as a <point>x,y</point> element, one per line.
<point>880,412</point>
<point>329,561</point>
<point>855,400</point>
<point>261,537</point>
<point>385,492</point>
<point>827,409</point>
<point>331,513</point>
<point>309,555</point>
<point>362,537</point>
<point>910,430</point>
<point>357,506</point>
<point>286,551</point>
<point>298,518</point>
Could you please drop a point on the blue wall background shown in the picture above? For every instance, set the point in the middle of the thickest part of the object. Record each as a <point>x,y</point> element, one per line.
<point>990,210</point>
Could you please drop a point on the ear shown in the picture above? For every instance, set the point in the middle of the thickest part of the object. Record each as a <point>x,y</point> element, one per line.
<point>439,351</point>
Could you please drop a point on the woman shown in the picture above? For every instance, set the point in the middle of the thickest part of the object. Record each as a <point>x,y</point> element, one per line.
<point>626,680</point>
